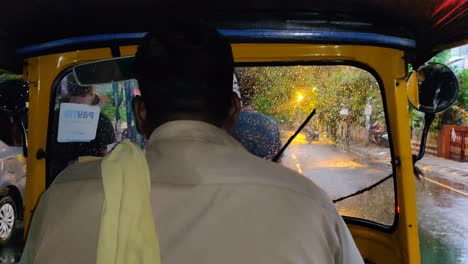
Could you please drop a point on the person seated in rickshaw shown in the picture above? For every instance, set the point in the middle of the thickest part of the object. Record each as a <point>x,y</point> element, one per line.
<point>212,201</point>
<point>258,133</point>
<point>65,153</point>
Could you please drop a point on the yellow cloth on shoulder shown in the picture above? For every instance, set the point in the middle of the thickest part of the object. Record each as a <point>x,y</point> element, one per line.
<point>127,232</point>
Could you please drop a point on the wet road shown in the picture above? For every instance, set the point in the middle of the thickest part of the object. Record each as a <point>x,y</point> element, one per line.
<point>443,224</point>
<point>443,214</point>
<point>341,173</point>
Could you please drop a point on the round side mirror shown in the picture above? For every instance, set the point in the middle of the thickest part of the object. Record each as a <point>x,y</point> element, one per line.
<point>432,88</point>
<point>13,96</point>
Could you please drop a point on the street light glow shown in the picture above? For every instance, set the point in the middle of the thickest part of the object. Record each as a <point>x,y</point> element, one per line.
<point>300,97</point>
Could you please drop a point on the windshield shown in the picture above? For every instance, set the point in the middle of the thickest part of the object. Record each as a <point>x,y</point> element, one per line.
<point>343,148</point>
<point>89,121</point>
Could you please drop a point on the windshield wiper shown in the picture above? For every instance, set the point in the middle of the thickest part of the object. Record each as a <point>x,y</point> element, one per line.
<point>306,121</point>
<point>364,189</point>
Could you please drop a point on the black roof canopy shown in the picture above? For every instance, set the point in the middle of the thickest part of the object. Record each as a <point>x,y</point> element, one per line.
<point>432,24</point>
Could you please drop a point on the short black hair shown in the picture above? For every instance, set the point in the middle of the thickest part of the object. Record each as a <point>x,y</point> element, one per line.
<point>185,67</point>
<point>246,88</point>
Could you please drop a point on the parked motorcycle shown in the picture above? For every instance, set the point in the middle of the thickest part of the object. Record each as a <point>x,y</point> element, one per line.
<point>379,136</point>
<point>312,134</point>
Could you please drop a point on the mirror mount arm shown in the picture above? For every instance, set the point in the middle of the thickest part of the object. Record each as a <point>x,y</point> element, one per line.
<point>428,119</point>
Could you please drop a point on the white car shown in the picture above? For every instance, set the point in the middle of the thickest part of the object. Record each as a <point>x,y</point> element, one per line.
<point>12,185</point>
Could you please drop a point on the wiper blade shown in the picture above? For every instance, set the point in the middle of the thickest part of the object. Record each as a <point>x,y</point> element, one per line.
<point>363,190</point>
<point>291,139</point>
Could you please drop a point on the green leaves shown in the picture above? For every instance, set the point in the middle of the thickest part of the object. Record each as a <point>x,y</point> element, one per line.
<point>290,93</point>
<point>108,108</point>
<point>5,75</point>
<point>442,57</point>
<point>463,95</point>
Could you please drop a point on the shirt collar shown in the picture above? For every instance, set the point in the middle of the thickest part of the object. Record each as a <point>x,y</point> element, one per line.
<point>193,131</point>
<point>179,147</point>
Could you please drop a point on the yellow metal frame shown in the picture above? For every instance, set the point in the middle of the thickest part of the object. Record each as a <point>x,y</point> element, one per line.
<point>41,73</point>
<point>400,246</point>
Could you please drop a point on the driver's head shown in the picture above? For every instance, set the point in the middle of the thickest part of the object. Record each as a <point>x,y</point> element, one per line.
<point>185,72</point>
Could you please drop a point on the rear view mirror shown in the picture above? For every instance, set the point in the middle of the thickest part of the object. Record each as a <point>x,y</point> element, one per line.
<point>104,71</point>
<point>432,88</point>
<point>14,95</point>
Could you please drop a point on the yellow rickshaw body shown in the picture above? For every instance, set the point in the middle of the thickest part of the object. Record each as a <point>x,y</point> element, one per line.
<point>397,245</point>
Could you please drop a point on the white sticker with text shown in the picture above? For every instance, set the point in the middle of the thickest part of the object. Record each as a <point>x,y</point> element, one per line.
<point>77,122</point>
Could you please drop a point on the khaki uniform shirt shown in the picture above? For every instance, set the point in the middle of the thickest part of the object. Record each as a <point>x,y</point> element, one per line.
<point>213,202</point>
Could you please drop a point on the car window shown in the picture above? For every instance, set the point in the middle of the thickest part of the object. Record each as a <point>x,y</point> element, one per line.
<point>344,148</point>
<point>10,132</point>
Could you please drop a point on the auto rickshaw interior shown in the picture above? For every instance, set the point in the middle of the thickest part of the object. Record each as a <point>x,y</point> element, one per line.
<point>288,106</point>
<point>288,63</point>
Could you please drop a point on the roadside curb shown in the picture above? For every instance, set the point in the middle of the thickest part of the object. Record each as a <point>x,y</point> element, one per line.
<point>443,178</point>
<point>440,174</point>
<point>370,159</point>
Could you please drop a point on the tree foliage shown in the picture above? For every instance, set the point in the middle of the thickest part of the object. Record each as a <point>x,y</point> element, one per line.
<point>290,93</point>
<point>108,107</point>
<point>442,57</point>
<point>463,95</point>
<point>5,75</point>
<point>462,102</point>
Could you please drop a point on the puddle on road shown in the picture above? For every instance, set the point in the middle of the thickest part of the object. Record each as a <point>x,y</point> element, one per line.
<point>443,224</point>
<point>350,164</point>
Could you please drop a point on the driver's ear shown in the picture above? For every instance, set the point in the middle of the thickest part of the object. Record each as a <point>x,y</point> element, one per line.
<point>233,114</point>
<point>141,116</point>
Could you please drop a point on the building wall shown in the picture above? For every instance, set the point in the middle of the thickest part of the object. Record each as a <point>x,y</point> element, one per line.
<point>459,57</point>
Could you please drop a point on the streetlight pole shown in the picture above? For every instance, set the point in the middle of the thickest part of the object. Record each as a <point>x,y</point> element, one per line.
<point>368,112</point>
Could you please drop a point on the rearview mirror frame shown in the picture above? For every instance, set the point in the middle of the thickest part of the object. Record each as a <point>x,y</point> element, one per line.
<point>432,88</point>
<point>104,71</point>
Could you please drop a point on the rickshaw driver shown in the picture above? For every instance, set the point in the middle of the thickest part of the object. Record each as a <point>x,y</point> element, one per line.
<point>213,202</point>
